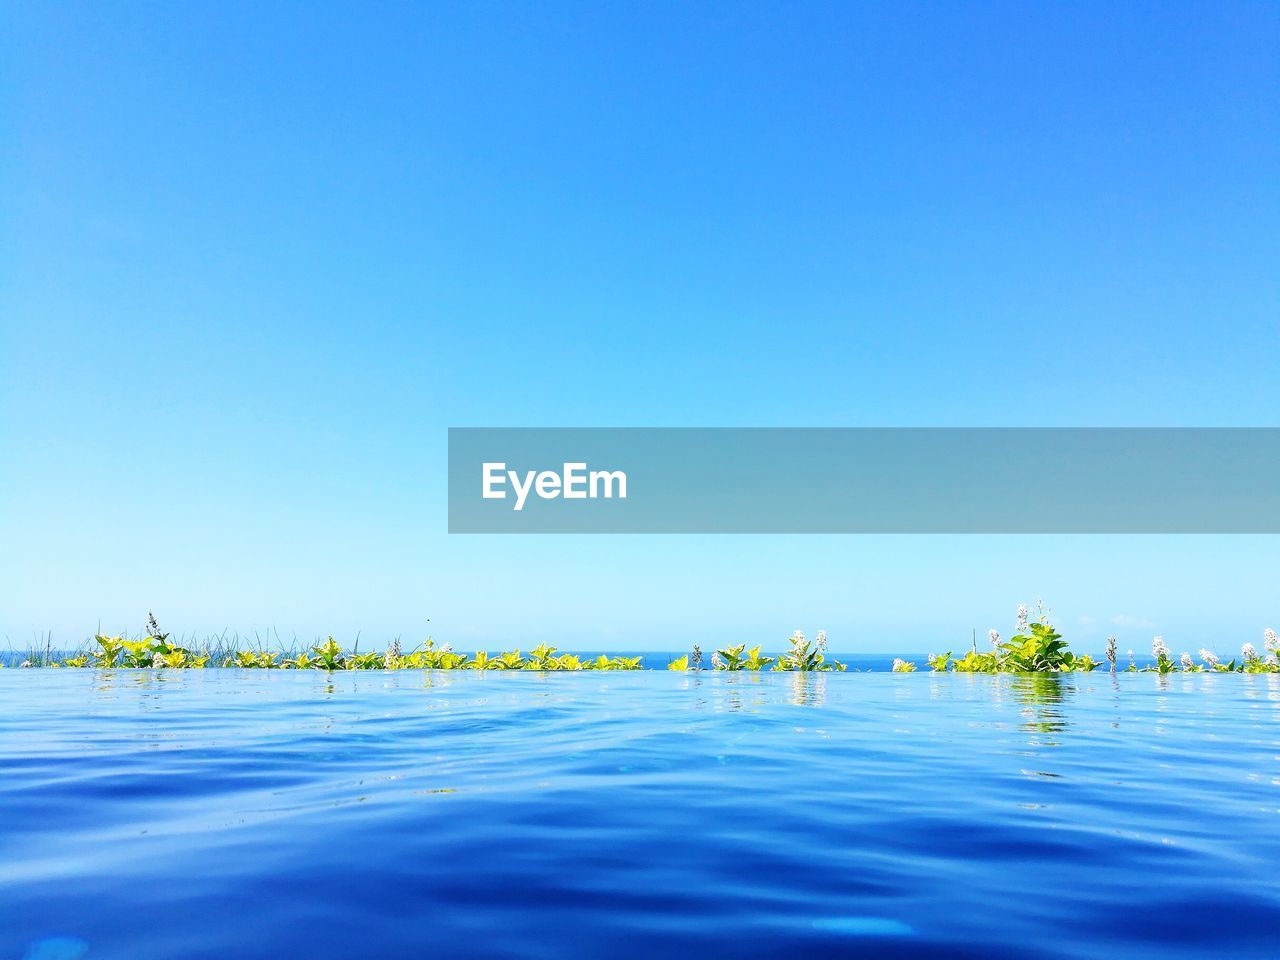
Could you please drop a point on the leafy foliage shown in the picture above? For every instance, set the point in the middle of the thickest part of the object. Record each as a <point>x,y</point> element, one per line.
<point>1040,649</point>
<point>1035,648</point>
<point>807,655</point>
<point>149,652</point>
<point>739,658</point>
<point>156,652</point>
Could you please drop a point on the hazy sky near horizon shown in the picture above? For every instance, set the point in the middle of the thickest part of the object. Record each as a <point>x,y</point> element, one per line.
<point>258,258</point>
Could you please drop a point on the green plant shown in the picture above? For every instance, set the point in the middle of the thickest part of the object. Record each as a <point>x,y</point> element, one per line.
<point>151,652</point>
<point>511,660</point>
<point>805,655</point>
<point>939,661</point>
<point>328,655</point>
<point>1164,660</point>
<point>253,659</point>
<point>975,662</point>
<point>613,663</point>
<point>1040,649</point>
<point>1036,648</point>
<point>566,661</point>
<point>543,657</point>
<point>739,658</point>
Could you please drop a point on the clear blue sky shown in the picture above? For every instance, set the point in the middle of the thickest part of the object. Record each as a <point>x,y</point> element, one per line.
<point>258,257</point>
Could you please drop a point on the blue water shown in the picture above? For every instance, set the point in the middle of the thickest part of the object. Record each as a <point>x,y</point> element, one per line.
<point>251,814</point>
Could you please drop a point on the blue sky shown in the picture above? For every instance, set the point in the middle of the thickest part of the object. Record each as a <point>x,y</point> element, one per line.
<point>258,257</point>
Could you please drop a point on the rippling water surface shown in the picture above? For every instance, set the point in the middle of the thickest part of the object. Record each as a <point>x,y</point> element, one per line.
<point>246,814</point>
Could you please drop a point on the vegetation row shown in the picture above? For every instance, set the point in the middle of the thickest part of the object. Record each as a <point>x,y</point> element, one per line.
<point>1035,647</point>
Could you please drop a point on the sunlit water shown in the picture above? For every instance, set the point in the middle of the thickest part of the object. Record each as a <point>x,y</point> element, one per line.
<point>247,814</point>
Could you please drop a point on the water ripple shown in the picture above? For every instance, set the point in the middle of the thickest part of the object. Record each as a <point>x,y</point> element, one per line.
<point>260,815</point>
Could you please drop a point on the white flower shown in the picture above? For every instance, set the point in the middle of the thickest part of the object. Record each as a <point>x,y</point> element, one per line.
<point>25,663</point>
<point>899,663</point>
<point>994,637</point>
<point>822,640</point>
<point>1269,639</point>
<point>1272,660</point>
<point>446,648</point>
<point>1209,657</point>
<point>1249,652</point>
<point>716,662</point>
<point>1187,662</point>
<point>1159,648</point>
<point>1022,618</point>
